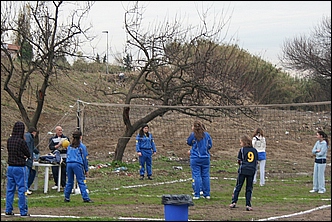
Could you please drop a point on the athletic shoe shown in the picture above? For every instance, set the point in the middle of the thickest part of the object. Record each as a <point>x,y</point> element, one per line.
<point>87,201</point>
<point>29,192</point>
<point>233,205</point>
<point>25,215</point>
<point>321,191</point>
<point>54,187</point>
<point>207,197</point>
<point>195,198</point>
<point>201,193</point>
<point>312,191</point>
<point>67,200</point>
<point>7,214</point>
<point>150,178</point>
<point>141,178</point>
<point>249,208</point>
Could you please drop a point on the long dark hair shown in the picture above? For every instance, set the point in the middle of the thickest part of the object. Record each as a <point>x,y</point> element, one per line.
<point>324,135</point>
<point>141,132</point>
<point>76,139</point>
<point>258,131</point>
<point>199,129</point>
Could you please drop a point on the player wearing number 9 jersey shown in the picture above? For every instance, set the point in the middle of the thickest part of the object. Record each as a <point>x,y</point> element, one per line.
<point>247,159</point>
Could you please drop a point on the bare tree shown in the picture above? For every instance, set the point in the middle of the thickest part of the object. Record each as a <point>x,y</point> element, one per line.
<point>51,39</point>
<point>181,67</point>
<point>311,55</point>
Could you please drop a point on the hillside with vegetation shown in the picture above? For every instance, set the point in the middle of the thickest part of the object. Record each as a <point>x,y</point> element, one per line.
<point>63,92</point>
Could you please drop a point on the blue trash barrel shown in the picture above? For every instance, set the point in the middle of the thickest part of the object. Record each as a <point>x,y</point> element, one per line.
<point>176,207</point>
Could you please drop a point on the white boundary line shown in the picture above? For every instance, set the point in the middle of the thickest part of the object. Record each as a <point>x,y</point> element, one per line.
<point>296,214</point>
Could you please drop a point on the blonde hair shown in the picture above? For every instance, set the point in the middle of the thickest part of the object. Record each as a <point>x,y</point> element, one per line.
<point>246,140</point>
<point>199,129</point>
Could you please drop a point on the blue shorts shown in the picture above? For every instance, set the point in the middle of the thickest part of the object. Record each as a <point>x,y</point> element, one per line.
<point>261,156</point>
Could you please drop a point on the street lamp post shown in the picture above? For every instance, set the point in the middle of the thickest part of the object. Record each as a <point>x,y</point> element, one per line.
<point>106,51</point>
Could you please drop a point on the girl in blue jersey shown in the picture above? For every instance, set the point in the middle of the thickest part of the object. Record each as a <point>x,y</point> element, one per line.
<point>145,148</point>
<point>201,143</point>
<point>319,151</point>
<point>77,164</point>
<point>247,159</point>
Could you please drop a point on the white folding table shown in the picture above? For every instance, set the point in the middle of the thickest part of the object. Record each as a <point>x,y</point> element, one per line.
<point>46,178</point>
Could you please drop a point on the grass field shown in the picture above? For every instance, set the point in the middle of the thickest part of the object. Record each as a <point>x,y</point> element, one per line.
<point>121,196</point>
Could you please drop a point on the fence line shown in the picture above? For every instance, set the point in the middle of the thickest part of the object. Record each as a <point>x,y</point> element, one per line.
<point>224,123</point>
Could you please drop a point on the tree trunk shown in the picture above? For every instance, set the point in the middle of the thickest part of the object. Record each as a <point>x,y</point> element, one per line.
<point>120,147</point>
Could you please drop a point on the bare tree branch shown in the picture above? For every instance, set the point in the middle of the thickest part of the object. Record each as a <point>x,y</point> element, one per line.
<point>39,25</point>
<point>183,65</point>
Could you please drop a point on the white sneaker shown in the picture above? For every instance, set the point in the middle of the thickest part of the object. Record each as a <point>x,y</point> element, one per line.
<point>208,197</point>
<point>321,191</point>
<point>201,193</point>
<point>195,198</point>
<point>29,192</point>
<point>312,191</point>
<point>54,187</point>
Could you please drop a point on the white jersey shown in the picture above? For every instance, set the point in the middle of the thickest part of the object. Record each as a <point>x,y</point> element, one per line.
<point>259,143</point>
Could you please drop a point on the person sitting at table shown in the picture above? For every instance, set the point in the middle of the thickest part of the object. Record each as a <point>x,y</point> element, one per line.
<point>55,144</point>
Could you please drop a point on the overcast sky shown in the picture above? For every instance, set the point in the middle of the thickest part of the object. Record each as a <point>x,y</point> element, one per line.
<point>261,27</point>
